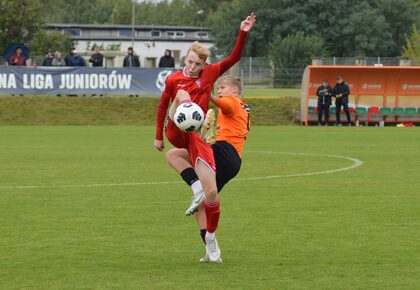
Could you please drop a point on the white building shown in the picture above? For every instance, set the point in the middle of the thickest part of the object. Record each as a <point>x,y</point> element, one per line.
<point>149,41</point>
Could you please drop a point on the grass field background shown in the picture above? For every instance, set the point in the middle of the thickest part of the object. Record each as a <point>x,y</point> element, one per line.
<point>269,107</point>
<point>77,226</point>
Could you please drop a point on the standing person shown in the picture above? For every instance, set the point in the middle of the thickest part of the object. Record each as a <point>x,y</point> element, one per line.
<point>77,59</point>
<point>233,124</point>
<point>324,93</point>
<point>58,60</point>
<point>341,93</point>
<point>131,60</point>
<point>67,58</point>
<point>194,83</point>
<point>17,59</point>
<point>48,59</point>
<point>167,60</point>
<point>97,58</point>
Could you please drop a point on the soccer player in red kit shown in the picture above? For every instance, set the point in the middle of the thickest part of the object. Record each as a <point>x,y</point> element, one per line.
<point>194,84</point>
<point>233,124</point>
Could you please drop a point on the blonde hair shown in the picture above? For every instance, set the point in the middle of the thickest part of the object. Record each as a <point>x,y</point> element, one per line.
<point>202,52</point>
<point>231,80</point>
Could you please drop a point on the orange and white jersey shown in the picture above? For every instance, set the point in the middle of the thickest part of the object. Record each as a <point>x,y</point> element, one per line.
<point>233,121</point>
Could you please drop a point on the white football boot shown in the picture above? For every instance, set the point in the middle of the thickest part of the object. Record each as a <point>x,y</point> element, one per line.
<point>206,130</point>
<point>196,200</point>
<point>212,251</point>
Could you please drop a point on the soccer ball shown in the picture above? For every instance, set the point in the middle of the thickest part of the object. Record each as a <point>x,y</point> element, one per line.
<point>189,117</point>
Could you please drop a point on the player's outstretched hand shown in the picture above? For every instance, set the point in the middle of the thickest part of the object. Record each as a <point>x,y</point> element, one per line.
<point>247,24</point>
<point>159,145</point>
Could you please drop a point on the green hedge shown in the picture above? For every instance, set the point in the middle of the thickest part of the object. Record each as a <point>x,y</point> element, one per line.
<point>51,110</point>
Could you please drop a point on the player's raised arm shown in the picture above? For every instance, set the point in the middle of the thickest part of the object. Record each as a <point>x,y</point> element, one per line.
<point>237,50</point>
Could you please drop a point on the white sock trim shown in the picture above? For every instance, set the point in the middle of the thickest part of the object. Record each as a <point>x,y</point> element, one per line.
<point>196,187</point>
<point>210,236</point>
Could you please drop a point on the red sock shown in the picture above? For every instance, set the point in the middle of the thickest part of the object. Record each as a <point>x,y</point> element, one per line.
<point>185,101</point>
<point>212,213</point>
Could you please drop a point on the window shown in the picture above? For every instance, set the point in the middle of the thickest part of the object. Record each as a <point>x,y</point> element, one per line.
<point>175,34</point>
<point>72,31</point>
<point>155,33</point>
<point>202,34</point>
<point>125,32</point>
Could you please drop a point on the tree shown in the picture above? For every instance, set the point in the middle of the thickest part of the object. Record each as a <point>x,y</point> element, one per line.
<point>349,27</point>
<point>293,52</point>
<point>412,47</point>
<point>19,21</point>
<point>42,41</point>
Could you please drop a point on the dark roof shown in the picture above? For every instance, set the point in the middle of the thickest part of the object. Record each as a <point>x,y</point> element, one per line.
<point>123,26</point>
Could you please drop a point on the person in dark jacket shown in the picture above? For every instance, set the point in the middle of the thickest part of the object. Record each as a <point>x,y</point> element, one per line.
<point>48,59</point>
<point>67,58</point>
<point>324,94</point>
<point>131,60</point>
<point>77,60</point>
<point>341,93</point>
<point>167,60</point>
<point>97,58</point>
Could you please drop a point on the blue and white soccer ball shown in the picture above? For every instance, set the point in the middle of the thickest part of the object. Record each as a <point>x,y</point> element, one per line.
<point>189,117</point>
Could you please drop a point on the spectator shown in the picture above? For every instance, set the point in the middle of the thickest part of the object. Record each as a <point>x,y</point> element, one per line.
<point>77,60</point>
<point>67,58</point>
<point>58,60</point>
<point>131,60</point>
<point>97,58</point>
<point>17,59</point>
<point>341,93</point>
<point>324,93</point>
<point>167,60</point>
<point>48,59</point>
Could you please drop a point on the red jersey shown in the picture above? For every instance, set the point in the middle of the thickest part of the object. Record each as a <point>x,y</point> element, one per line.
<point>199,87</point>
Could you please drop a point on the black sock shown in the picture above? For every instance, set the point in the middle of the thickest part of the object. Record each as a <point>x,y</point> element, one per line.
<point>203,235</point>
<point>189,176</point>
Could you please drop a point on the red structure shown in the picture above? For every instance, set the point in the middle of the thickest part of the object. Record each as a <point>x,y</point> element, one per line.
<point>377,93</point>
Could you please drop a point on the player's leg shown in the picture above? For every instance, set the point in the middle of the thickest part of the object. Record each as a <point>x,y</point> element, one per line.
<point>346,109</point>
<point>327,114</point>
<point>181,97</point>
<point>211,207</point>
<point>179,160</point>
<point>337,111</point>
<point>320,107</point>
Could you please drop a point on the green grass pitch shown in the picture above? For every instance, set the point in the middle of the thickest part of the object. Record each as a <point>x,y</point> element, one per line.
<point>85,208</point>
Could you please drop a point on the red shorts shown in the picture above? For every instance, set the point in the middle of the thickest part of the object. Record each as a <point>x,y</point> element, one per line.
<point>197,148</point>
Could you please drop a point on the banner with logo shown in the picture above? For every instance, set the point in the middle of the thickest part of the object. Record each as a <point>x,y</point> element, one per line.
<point>83,80</point>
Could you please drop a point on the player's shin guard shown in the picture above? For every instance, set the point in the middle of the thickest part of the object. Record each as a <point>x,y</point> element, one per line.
<point>212,213</point>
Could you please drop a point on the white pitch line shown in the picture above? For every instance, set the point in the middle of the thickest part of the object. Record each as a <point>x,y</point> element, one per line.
<point>355,163</point>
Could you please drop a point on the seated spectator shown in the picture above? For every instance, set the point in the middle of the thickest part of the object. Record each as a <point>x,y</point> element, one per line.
<point>17,59</point>
<point>131,60</point>
<point>58,60</point>
<point>48,59</point>
<point>167,60</point>
<point>77,60</point>
<point>97,58</point>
